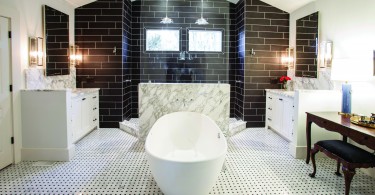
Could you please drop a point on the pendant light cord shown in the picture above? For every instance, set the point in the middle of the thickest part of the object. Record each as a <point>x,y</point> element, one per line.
<point>166,9</point>
<point>202,10</point>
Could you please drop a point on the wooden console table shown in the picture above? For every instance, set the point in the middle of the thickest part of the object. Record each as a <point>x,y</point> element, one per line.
<point>332,121</point>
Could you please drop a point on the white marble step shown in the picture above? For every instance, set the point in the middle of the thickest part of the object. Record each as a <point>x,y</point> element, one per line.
<point>132,126</point>
<point>236,126</point>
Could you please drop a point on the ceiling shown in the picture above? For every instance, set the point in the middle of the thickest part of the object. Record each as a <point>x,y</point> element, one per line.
<point>286,5</point>
<point>79,3</point>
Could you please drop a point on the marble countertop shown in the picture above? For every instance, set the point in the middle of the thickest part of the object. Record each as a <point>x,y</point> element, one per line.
<point>75,92</point>
<point>281,92</point>
<point>145,83</point>
<point>81,91</point>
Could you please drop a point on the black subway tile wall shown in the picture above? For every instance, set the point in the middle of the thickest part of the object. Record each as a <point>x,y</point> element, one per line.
<point>111,34</point>
<point>165,66</point>
<point>238,81</point>
<point>127,59</point>
<point>306,48</point>
<point>99,35</point>
<point>57,42</point>
<point>267,34</point>
<point>204,67</point>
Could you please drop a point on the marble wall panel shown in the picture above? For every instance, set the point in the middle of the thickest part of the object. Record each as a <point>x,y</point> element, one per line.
<point>159,99</point>
<point>36,79</point>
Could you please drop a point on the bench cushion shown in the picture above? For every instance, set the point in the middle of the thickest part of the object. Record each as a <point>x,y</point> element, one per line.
<point>346,151</point>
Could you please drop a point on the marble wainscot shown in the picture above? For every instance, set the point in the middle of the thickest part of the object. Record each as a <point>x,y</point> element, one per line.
<point>36,79</point>
<point>159,99</point>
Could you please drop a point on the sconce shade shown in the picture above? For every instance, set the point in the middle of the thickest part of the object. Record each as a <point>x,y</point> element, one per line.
<point>325,54</point>
<point>75,55</point>
<point>36,51</point>
<point>287,59</point>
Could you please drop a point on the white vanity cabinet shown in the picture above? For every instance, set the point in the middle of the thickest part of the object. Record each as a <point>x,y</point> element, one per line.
<point>286,115</point>
<point>53,120</point>
<point>279,114</point>
<point>85,114</point>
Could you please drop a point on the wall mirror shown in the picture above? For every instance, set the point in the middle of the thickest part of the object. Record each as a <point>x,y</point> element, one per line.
<point>307,46</point>
<point>56,36</point>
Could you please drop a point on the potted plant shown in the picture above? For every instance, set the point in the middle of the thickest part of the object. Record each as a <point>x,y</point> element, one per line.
<point>283,80</point>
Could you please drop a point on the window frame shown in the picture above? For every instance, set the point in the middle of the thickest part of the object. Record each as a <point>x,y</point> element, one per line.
<point>205,29</point>
<point>161,29</point>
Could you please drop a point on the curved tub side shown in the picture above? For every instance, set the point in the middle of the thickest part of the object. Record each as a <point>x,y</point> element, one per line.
<point>179,178</point>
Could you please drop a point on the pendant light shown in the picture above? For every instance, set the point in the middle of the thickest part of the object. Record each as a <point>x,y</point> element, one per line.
<point>201,21</point>
<point>166,20</point>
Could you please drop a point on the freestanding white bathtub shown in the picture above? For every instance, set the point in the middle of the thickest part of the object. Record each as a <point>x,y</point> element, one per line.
<point>186,152</point>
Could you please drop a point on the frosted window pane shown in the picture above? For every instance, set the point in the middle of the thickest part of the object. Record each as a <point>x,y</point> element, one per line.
<point>205,40</point>
<point>162,40</point>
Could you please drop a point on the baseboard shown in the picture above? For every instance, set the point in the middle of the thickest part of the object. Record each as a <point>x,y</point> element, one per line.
<point>48,154</point>
<point>298,152</point>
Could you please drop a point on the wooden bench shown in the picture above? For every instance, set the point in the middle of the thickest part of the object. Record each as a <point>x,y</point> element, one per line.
<point>350,156</point>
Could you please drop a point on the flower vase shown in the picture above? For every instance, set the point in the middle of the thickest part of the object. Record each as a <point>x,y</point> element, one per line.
<point>285,86</point>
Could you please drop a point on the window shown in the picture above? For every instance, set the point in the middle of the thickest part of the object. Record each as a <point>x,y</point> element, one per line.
<point>162,40</point>
<point>205,40</point>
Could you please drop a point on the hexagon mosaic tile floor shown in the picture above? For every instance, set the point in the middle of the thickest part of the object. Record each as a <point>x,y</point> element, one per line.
<point>109,161</point>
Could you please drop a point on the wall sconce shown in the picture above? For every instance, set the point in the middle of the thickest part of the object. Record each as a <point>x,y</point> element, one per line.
<point>75,55</point>
<point>36,51</point>
<point>288,58</point>
<point>325,54</point>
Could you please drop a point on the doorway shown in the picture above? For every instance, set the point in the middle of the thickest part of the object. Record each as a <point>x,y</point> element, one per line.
<point>6,128</point>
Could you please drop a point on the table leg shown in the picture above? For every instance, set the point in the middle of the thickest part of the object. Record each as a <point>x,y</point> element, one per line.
<point>308,139</point>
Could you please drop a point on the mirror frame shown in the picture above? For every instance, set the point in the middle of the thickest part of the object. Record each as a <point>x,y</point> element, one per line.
<point>61,52</point>
<point>307,45</point>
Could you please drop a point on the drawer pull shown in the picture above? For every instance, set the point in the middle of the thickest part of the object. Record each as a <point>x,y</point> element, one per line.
<point>94,97</point>
<point>280,99</point>
<point>269,119</point>
<point>94,108</point>
<point>269,108</point>
<point>94,120</point>
<point>83,99</point>
<point>270,98</point>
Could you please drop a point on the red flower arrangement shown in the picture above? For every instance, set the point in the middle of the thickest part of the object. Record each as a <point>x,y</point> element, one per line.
<point>284,79</point>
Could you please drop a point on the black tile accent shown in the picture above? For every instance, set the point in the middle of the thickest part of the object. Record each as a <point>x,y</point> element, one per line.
<point>263,27</point>
<point>306,56</point>
<point>57,42</point>
<point>101,27</point>
<point>249,24</point>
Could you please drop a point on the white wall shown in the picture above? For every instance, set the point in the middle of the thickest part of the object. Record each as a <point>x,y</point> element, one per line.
<point>26,21</point>
<point>350,25</point>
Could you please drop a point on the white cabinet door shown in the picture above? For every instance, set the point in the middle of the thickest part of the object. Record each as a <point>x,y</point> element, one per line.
<point>269,110</point>
<point>86,113</point>
<point>278,113</point>
<point>76,118</point>
<point>94,110</point>
<point>288,118</point>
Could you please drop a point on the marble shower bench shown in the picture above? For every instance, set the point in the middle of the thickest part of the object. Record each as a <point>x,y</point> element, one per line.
<point>131,126</point>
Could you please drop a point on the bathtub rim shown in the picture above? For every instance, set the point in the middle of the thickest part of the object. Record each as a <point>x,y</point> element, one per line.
<point>222,153</point>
